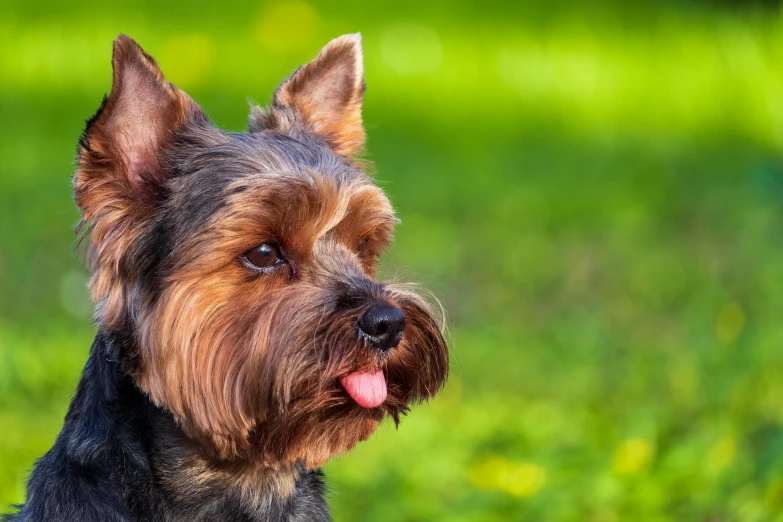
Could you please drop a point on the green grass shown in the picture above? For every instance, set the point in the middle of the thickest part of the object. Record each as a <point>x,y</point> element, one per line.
<point>596,195</point>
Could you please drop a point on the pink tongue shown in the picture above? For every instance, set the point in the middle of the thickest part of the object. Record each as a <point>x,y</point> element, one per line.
<point>367,389</point>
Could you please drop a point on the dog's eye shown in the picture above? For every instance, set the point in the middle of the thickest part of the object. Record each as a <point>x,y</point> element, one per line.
<point>264,255</point>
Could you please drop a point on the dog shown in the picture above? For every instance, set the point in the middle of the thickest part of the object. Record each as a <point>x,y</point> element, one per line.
<point>242,338</point>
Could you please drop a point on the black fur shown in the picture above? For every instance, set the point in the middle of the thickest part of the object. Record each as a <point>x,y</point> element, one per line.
<point>107,461</point>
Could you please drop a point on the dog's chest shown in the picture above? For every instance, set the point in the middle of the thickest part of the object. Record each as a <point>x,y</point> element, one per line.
<point>306,505</point>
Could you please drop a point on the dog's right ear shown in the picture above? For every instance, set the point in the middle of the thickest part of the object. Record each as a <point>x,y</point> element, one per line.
<point>323,96</point>
<point>119,169</point>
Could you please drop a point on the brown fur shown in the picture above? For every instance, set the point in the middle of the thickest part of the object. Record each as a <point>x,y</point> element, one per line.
<point>119,165</point>
<point>248,364</point>
<point>216,321</point>
<point>324,96</point>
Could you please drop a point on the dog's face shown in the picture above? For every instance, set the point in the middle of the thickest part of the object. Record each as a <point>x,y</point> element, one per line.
<point>238,269</point>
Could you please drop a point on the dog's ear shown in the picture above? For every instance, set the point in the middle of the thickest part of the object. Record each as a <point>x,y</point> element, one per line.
<point>119,169</point>
<point>135,122</point>
<point>324,96</point>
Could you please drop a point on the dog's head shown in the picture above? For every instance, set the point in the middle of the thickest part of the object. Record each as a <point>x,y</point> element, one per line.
<point>238,268</point>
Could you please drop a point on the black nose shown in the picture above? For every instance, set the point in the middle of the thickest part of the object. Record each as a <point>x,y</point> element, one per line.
<point>382,325</point>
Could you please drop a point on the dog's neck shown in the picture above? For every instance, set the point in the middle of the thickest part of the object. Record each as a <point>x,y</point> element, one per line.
<point>113,429</point>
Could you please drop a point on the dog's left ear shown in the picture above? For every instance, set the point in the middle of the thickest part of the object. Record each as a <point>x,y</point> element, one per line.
<point>323,96</point>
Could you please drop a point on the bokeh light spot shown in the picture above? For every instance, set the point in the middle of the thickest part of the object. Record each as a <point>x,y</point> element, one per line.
<point>721,455</point>
<point>632,456</point>
<point>187,59</point>
<point>731,321</point>
<point>524,479</point>
<point>412,49</point>
<point>486,473</point>
<point>518,478</point>
<point>288,26</point>
<point>773,496</point>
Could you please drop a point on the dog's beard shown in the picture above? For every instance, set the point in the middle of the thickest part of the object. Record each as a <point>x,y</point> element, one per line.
<point>264,384</point>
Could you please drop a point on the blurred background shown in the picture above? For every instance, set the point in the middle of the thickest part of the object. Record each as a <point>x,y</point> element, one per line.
<point>593,189</point>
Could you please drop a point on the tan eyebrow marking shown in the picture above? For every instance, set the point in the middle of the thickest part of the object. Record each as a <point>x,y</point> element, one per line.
<point>346,198</point>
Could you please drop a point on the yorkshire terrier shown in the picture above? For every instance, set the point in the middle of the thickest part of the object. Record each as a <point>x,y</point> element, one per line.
<point>243,339</point>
